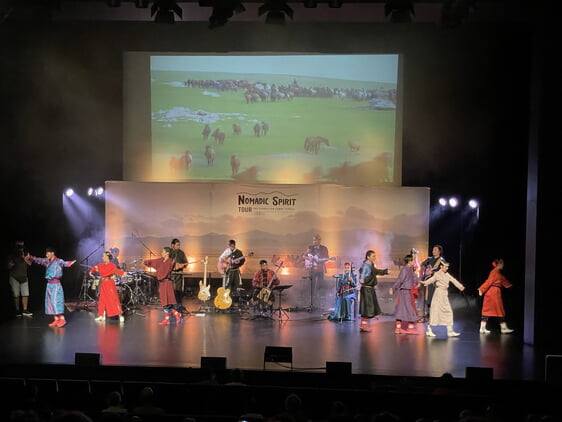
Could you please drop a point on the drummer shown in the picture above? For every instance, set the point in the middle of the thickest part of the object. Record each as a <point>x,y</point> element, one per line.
<point>109,304</point>
<point>346,286</point>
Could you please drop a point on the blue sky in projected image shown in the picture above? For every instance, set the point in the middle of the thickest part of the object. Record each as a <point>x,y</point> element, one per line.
<point>369,68</point>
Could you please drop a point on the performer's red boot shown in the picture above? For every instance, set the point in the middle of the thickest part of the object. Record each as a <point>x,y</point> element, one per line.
<point>411,329</point>
<point>364,326</point>
<point>166,320</point>
<point>177,315</point>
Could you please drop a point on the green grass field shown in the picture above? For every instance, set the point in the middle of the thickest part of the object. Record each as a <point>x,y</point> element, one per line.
<point>280,156</point>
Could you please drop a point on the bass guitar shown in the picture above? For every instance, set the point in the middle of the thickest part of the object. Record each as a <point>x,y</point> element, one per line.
<point>226,264</point>
<point>265,292</point>
<point>204,288</point>
<point>223,299</point>
<point>312,261</point>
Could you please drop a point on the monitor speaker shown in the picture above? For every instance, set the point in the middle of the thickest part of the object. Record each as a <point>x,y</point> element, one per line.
<point>87,359</point>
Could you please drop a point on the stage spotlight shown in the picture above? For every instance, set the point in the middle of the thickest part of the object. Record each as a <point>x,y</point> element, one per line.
<point>453,12</point>
<point>453,202</point>
<point>276,11</point>
<point>69,192</point>
<point>223,10</point>
<point>473,203</point>
<point>90,191</point>
<point>400,11</point>
<point>99,191</point>
<point>164,10</point>
<point>442,202</point>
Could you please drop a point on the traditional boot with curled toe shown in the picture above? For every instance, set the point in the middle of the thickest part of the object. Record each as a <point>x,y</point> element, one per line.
<point>505,329</point>
<point>166,320</point>
<point>483,329</point>
<point>429,332</point>
<point>451,332</point>
<point>364,326</point>
<point>177,315</point>
<point>411,329</point>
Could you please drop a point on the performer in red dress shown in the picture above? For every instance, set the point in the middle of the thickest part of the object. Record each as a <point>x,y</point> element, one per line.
<point>164,267</point>
<point>109,303</point>
<point>492,305</point>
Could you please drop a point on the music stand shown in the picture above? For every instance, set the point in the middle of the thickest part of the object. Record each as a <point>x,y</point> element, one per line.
<point>281,312</point>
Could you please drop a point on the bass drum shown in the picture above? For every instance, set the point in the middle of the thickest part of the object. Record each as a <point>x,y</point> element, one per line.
<point>125,294</point>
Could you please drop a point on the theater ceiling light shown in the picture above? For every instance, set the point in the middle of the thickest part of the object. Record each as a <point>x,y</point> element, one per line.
<point>276,11</point>
<point>164,11</point>
<point>399,11</point>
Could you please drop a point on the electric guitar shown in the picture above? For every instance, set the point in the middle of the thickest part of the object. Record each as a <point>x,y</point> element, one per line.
<point>204,288</point>
<point>311,261</point>
<point>223,299</point>
<point>265,292</point>
<point>226,264</point>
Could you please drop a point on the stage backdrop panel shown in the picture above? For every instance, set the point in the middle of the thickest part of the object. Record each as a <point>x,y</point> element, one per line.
<point>274,222</point>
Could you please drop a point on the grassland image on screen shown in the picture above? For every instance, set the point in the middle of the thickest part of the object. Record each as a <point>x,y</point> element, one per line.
<point>274,118</point>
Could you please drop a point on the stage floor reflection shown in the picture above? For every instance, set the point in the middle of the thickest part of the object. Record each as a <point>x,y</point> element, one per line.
<point>242,336</point>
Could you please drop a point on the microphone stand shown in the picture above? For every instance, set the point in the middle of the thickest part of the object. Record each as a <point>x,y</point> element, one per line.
<point>91,253</point>
<point>83,304</point>
<point>143,244</point>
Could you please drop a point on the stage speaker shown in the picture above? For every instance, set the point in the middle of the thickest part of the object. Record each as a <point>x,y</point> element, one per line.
<point>278,355</point>
<point>87,359</point>
<point>338,368</point>
<point>553,369</point>
<point>479,374</point>
<point>215,363</point>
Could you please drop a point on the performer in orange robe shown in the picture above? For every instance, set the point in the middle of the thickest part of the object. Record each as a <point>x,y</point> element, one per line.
<point>492,305</point>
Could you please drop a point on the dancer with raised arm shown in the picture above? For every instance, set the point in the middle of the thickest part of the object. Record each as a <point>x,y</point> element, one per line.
<point>369,306</point>
<point>109,304</point>
<point>441,312</point>
<point>164,266</point>
<point>54,294</point>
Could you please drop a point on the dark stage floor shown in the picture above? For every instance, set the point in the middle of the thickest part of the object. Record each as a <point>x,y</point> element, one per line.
<point>242,339</point>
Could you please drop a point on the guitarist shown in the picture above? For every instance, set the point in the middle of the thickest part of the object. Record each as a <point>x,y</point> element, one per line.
<point>315,260</point>
<point>264,278</point>
<point>231,260</point>
<point>178,255</point>
<point>428,267</point>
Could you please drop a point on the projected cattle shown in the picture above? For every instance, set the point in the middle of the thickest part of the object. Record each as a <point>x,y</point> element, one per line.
<point>181,164</point>
<point>219,136</point>
<point>234,164</point>
<point>206,132</point>
<point>353,146</point>
<point>312,143</point>
<point>325,101</point>
<point>210,154</point>
<point>264,128</point>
